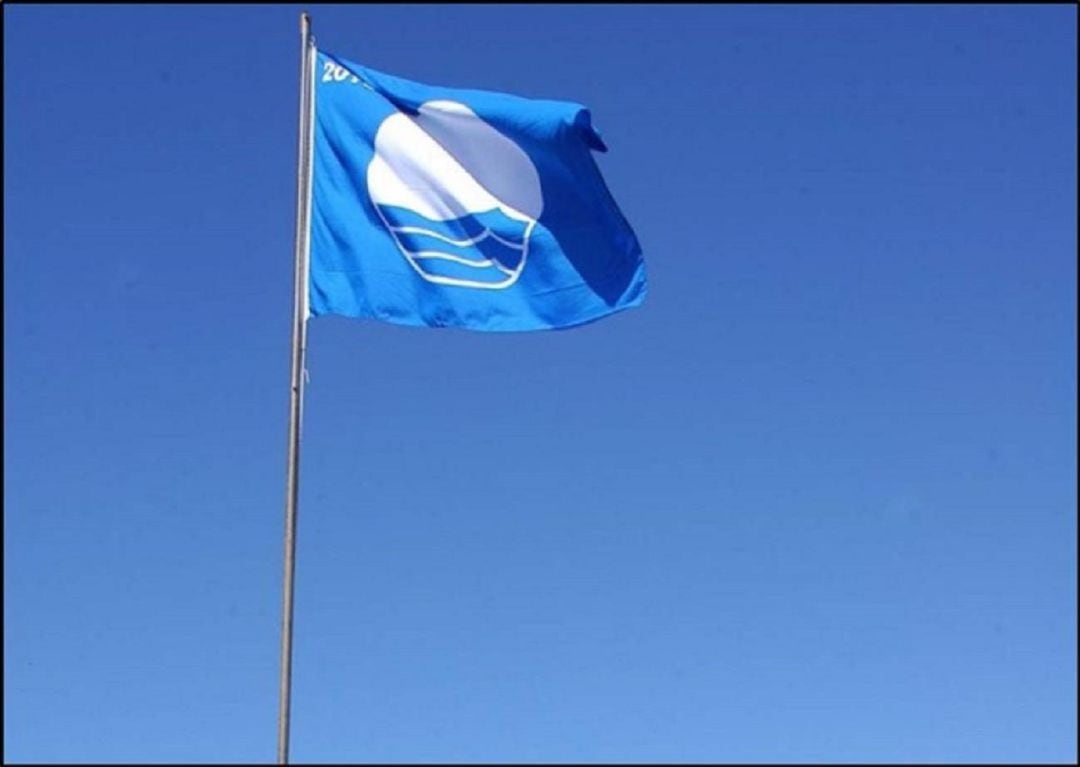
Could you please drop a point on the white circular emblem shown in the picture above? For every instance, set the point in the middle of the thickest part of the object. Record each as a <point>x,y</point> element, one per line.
<point>459,199</point>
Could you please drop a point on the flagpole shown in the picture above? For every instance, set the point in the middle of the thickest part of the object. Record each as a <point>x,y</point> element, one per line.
<point>299,347</point>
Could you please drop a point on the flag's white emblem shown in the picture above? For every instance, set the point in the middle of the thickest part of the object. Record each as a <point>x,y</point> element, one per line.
<point>459,199</point>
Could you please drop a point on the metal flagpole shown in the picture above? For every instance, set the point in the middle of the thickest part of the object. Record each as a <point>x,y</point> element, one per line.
<point>299,347</point>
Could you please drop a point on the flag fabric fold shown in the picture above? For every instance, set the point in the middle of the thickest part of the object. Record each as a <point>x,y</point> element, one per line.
<point>438,206</point>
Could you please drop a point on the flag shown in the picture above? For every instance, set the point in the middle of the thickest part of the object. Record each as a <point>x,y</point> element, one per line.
<point>438,206</point>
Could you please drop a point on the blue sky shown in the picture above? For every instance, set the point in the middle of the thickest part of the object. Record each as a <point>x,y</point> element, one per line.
<point>814,501</point>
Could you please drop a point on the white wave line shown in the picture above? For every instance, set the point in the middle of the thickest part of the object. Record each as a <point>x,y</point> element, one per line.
<point>427,232</point>
<point>459,243</point>
<point>482,263</point>
<point>507,243</point>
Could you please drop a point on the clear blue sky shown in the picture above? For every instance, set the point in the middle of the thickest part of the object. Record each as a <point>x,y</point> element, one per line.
<point>814,501</point>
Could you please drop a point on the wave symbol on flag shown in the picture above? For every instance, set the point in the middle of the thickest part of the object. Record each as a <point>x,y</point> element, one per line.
<point>459,199</point>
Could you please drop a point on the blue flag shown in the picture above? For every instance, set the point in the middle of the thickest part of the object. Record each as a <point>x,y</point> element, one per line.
<point>448,207</point>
